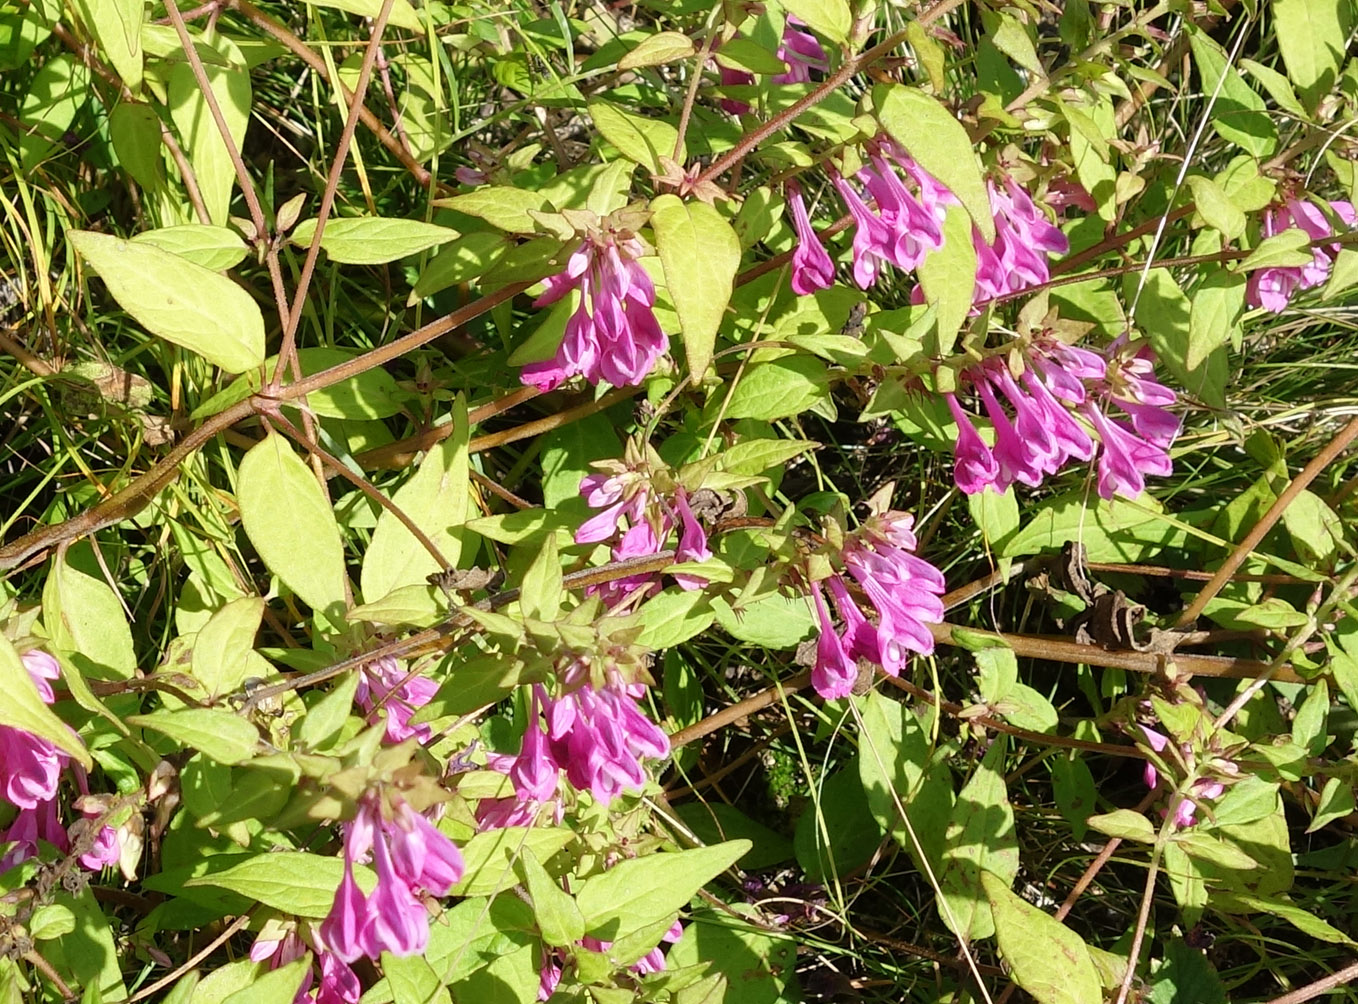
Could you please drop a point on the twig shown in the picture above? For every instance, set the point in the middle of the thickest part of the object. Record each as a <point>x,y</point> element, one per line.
<point>232,928</point>
<point>1323,985</point>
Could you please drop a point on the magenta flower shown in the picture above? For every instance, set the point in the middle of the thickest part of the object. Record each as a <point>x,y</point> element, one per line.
<point>30,765</point>
<point>1272,288</point>
<point>1035,425</point>
<point>800,52</point>
<point>105,850</point>
<point>812,268</point>
<point>1203,789</point>
<point>412,858</point>
<point>339,984</point>
<point>31,825</point>
<point>904,592</point>
<point>383,684</point>
<point>553,960</point>
<point>1017,259</point>
<point>907,222</point>
<point>640,520</point>
<point>599,735</point>
<point>613,335</point>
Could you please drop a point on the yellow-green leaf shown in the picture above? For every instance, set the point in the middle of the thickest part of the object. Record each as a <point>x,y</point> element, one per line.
<point>179,301</point>
<point>948,275</point>
<point>655,50</point>
<point>700,253</point>
<point>216,248</point>
<point>202,141</point>
<point>641,140</point>
<point>941,145</point>
<point>24,708</point>
<point>116,26</point>
<point>372,240</point>
<point>1045,957</point>
<point>287,518</point>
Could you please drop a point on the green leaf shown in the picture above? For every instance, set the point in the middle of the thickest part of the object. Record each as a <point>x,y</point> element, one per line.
<point>202,142</point>
<point>1336,802</point>
<point>1239,115</point>
<point>88,953</point>
<point>1216,207</point>
<point>948,276</point>
<point>700,253</point>
<point>941,145</point>
<point>116,26</point>
<point>501,206</point>
<point>277,986</point>
<point>745,54</point>
<point>1126,824</point>
<point>216,248</point>
<point>741,963</point>
<point>830,18</point>
<point>372,240</point>
<point>1164,313</point>
<point>179,301</point>
<point>489,857</point>
<point>980,841</point>
<point>658,49</point>
<point>1185,976</point>
<point>1110,531</point>
<point>996,515</point>
<point>462,261</point>
<point>220,735</point>
<point>50,921</point>
<point>1045,957</point>
<point>287,518</point>
<point>1287,249</point>
<point>85,618</point>
<point>51,99</point>
<point>436,499</point>
<point>558,917</point>
<point>904,794</point>
<point>220,651</point>
<point>1214,315</point>
<point>1278,87</point>
<point>403,15</point>
<point>774,621</point>
<point>779,388</point>
<point>1316,530</point>
<point>673,617</point>
<point>223,981</point>
<point>837,832</point>
<point>541,591</point>
<point>640,891</point>
<point>416,605</point>
<point>134,131</point>
<point>290,881</point>
<point>641,140</point>
<point>756,456</point>
<point>24,708</point>
<point>324,719</point>
<point>370,394</point>
<point>1344,274</point>
<point>1303,920</point>
<point>1313,37</point>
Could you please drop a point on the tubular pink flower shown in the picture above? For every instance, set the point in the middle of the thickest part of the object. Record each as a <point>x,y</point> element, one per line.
<point>613,335</point>
<point>835,671</point>
<point>339,984</point>
<point>974,468</point>
<point>343,927</point>
<point>397,922</point>
<point>1272,288</point>
<point>801,52</point>
<point>31,825</point>
<point>383,685</point>
<point>812,268</point>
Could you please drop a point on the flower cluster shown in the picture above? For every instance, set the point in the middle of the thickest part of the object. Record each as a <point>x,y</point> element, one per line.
<point>903,590</point>
<point>597,734</point>
<point>1203,789</point>
<point>411,858</point>
<point>613,335</point>
<point>1271,288</point>
<point>640,519</point>
<point>384,684</point>
<point>898,220</point>
<point>339,984</point>
<point>553,962</point>
<point>1038,432</point>
<point>800,52</point>
<point>30,767</point>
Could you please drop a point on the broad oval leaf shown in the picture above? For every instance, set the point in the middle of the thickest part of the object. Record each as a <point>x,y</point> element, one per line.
<point>654,50</point>
<point>1313,37</point>
<point>830,18</point>
<point>437,501</point>
<point>700,253</point>
<point>216,248</point>
<point>501,206</point>
<point>641,140</point>
<point>1046,958</point>
<point>931,135</point>
<point>372,240</point>
<point>220,735</point>
<point>222,647</point>
<point>179,301</point>
<point>24,708</point>
<point>294,882</point>
<point>948,276</point>
<point>291,524</point>
<point>116,26</point>
<point>779,388</point>
<point>640,891</point>
<point>203,144</point>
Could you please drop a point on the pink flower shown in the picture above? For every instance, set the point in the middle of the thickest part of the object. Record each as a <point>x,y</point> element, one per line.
<point>339,984</point>
<point>1272,288</point>
<point>30,765</point>
<point>904,592</point>
<point>1203,789</point>
<point>641,520</point>
<point>812,268</point>
<point>613,335</point>
<point>599,735</point>
<point>31,825</point>
<point>801,53</point>
<point>907,223</point>
<point>1017,259</point>
<point>412,858</point>
<point>383,684</point>
<point>105,850</point>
